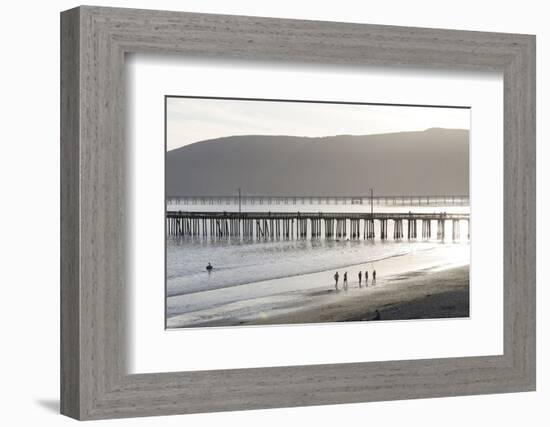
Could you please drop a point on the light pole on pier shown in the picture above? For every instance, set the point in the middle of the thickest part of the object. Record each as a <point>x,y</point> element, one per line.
<point>371,195</point>
<point>239,202</point>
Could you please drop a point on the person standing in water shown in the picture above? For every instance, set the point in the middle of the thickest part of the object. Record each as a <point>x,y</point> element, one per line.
<point>346,280</point>
<point>336,277</point>
<point>360,275</point>
<point>373,277</point>
<point>366,278</point>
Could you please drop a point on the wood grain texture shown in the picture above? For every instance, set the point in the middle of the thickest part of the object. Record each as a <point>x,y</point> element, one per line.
<point>70,259</point>
<point>94,270</point>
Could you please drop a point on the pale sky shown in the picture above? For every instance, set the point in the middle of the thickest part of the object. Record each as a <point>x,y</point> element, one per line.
<point>191,120</point>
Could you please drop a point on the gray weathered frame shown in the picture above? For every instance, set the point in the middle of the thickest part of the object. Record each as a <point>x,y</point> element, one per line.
<point>94,42</point>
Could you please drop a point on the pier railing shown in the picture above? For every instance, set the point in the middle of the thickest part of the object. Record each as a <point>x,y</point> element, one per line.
<point>379,200</point>
<point>355,225</point>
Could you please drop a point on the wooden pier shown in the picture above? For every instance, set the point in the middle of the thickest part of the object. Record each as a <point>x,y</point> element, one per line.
<point>297,225</point>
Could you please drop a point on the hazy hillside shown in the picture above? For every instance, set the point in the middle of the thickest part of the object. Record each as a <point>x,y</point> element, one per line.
<point>435,161</point>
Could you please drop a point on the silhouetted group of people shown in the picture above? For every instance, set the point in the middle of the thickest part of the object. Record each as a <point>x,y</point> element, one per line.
<point>359,275</point>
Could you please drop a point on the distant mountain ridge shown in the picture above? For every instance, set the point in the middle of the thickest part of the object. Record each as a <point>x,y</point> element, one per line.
<point>434,161</point>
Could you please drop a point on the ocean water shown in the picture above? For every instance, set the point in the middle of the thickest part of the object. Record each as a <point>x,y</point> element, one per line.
<point>240,263</point>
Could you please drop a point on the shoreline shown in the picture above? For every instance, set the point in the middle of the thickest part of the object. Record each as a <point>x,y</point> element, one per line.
<point>401,293</point>
<point>327,271</point>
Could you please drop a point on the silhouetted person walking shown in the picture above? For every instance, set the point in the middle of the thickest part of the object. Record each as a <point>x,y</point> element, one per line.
<point>366,278</point>
<point>336,277</point>
<point>373,277</point>
<point>346,280</point>
<point>360,276</point>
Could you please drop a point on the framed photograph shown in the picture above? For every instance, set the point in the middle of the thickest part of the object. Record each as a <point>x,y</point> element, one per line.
<point>262,213</point>
<point>269,219</point>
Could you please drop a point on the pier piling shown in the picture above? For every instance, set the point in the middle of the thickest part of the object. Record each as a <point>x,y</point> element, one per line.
<point>277,225</point>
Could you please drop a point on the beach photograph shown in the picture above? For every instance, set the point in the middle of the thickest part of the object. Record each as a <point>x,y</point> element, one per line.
<point>283,212</point>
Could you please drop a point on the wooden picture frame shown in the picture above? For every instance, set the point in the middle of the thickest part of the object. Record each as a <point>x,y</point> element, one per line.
<point>94,41</point>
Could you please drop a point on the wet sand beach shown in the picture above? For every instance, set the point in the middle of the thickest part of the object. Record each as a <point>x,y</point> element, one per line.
<point>432,290</point>
<point>417,295</point>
